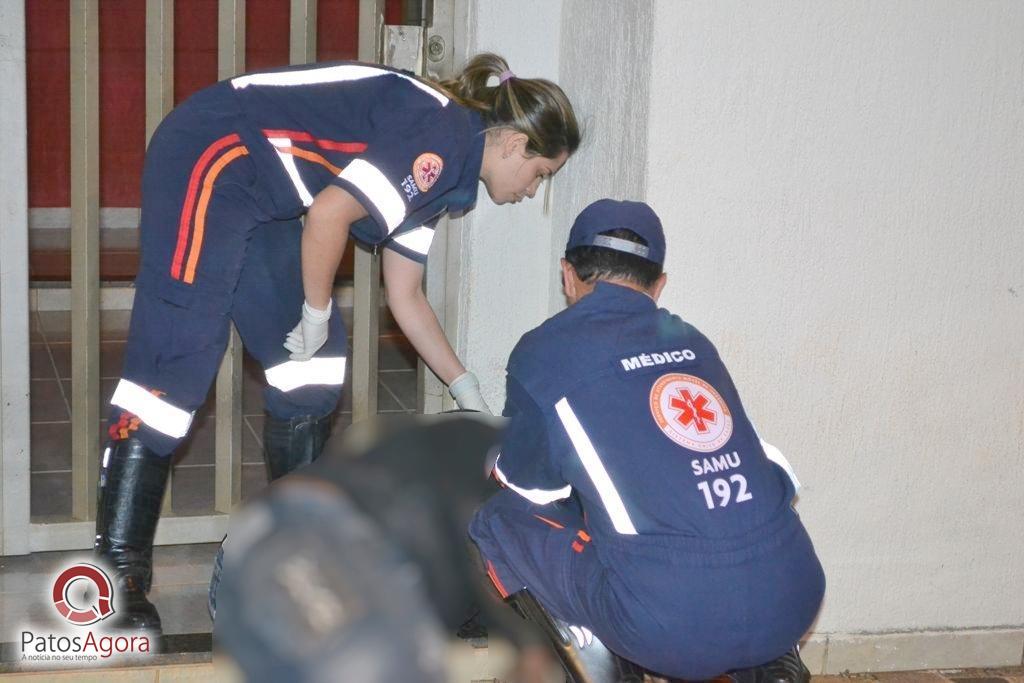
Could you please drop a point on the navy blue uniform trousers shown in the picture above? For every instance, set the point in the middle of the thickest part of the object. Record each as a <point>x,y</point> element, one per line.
<point>215,250</point>
<point>683,607</point>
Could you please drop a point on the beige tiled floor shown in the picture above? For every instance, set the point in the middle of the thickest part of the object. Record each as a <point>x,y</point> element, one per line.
<point>192,488</point>
<point>181,573</point>
<point>1006,675</point>
<point>181,576</point>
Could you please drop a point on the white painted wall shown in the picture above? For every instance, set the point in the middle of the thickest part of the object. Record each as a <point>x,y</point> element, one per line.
<point>842,189</point>
<point>509,279</point>
<point>603,44</point>
<point>505,249</point>
<point>842,186</point>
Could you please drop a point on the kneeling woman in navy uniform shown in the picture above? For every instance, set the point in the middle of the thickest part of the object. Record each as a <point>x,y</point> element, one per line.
<point>640,503</point>
<point>361,151</point>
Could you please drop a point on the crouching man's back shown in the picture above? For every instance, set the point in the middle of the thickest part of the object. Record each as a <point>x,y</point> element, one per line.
<point>640,502</point>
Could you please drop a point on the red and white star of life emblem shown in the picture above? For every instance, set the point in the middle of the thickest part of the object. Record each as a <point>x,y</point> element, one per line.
<point>689,411</point>
<point>693,410</point>
<point>426,170</point>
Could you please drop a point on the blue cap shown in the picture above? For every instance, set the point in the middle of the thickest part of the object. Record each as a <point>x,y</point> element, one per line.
<point>609,214</point>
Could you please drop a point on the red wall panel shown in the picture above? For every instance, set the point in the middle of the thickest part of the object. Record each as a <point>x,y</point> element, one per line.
<point>47,36</point>
<point>337,28</point>
<point>394,12</point>
<point>195,46</point>
<point>122,29</point>
<point>122,100</point>
<point>267,27</point>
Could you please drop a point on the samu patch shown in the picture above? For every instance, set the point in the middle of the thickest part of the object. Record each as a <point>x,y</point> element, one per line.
<point>426,170</point>
<point>689,411</point>
<point>409,186</point>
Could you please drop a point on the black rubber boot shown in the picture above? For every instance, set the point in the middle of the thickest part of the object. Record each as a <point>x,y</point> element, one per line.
<point>290,444</point>
<point>788,668</point>
<point>131,491</point>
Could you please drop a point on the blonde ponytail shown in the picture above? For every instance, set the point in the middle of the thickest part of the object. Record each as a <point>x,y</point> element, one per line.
<point>535,107</point>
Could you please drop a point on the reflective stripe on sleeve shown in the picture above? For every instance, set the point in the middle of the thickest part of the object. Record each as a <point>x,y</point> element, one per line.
<point>300,373</point>
<point>155,412</point>
<point>776,456</point>
<point>595,468</point>
<point>376,187</point>
<point>417,240</point>
<point>288,161</point>
<point>538,496</point>
<point>330,74</point>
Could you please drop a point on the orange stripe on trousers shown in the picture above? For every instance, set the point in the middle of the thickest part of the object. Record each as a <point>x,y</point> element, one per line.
<point>493,575</point>
<point>550,522</point>
<point>204,200</point>
<point>190,199</point>
<point>311,156</point>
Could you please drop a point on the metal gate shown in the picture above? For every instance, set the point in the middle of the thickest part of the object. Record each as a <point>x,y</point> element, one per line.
<point>412,47</point>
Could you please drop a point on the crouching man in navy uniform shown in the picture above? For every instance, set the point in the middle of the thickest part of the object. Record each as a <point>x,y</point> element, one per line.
<point>639,503</point>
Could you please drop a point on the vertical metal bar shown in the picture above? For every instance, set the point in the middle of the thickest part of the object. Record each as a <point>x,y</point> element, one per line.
<point>14,365</point>
<point>404,47</point>
<point>366,285</point>
<point>230,38</point>
<point>431,392</point>
<point>365,333</point>
<point>442,276</point>
<point>302,40</point>
<point>159,62</point>
<point>228,450</point>
<point>371,23</point>
<point>85,257</point>
<point>302,44</point>
<point>160,101</point>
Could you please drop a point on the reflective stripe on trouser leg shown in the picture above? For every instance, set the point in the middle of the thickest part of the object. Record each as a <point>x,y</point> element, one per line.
<point>148,407</point>
<point>267,306</point>
<point>293,374</point>
<point>170,360</point>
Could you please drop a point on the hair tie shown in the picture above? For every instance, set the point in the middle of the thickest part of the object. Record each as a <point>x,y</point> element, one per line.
<point>505,75</point>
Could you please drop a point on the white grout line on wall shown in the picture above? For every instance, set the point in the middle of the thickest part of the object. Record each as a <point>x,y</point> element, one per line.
<point>384,384</point>
<point>53,364</point>
<point>252,430</point>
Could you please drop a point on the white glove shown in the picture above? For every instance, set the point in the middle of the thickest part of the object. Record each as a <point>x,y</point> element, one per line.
<point>311,332</point>
<point>465,389</point>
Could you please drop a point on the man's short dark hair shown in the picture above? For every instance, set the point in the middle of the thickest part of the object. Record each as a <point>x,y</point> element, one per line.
<point>600,263</point>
